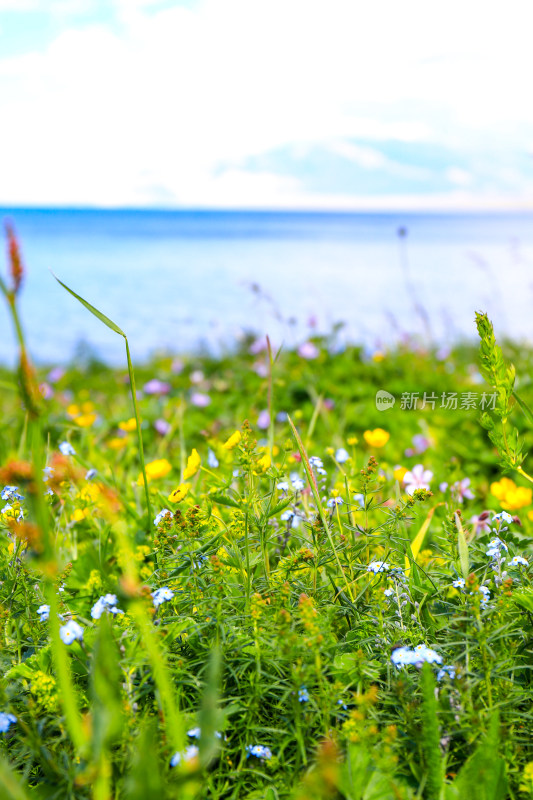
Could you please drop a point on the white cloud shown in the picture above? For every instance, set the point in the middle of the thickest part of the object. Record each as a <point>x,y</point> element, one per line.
<point>165,104</point>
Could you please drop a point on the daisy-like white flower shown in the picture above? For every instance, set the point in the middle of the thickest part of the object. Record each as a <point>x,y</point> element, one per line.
<point>43,612</point>
<point>460,583</point>
<point>388,592</point>
<point>417,478</point>
<point>70,632</point>
<point>162,595</point>
<point>66,449</point>
<point>282,486</point>
<point>187,755</point>
<point>6,720</point>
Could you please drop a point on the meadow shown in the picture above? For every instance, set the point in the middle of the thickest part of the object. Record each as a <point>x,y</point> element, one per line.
<point>274,574</point>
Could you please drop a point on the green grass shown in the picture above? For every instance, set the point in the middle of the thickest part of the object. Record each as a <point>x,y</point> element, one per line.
<point>275,635</point>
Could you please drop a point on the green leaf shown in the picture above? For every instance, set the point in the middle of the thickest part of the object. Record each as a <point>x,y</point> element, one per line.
<point>223,500</point>
<point>98,314</point>
<point>524,598</point>
<point>11,787</point>
<point>462,547</point>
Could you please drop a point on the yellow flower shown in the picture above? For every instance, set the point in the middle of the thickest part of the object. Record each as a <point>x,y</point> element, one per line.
<point>378,357</point>
<point>352,440</point>
<point>399,473</point>
<point>85,420</point>
<point>178,494</point>
<point>155,469</point>
<point>117,443</point>
<point>73,410</point>
<point>376,438</point>
<point>511,496</point>
<point>87,407</point>
<point>264,462</point>
<point>233,441</point>
<point>193,464</point>
<point>128,425</point>
<point>79,514</point>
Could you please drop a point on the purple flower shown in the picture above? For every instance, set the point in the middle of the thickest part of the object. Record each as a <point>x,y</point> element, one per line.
<point>481,522</point>
<point>46,390</point>
<point>462,490</point>
<point>258,346</point>
<point>308,350</point>
<point>162,426</point>
<point>417,478</point>
<point>200,400</point>
<point>177,366</point>
<point>155,386</point>
<point>421,444</point>
<point>55,374</point>
<point>260,368</point>
<point>263,421</point>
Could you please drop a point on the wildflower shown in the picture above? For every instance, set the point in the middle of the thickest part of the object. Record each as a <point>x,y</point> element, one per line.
<point>195,733</point>
<point>258,750</point>
<point>308,350</point>
<point>503,516</point>
<point>155,469</point>
<point>303,695</point>
<point>518,561</point>
<point>155,386</point>
<point>6,720</point>
<point>263,421</point>
<point>281,416</point>
<point>179,493</point>
<point>315,461</point>
<point>495,547</point>
<point>264,462</point>
<point>70,632</point>
<point>360,499</point>
<point>212,460</point>
<point>417,478</point>
<point>446,671</point>
<point>480,522</point>
<point>402,656</point>
<point>462,490</point>
<point>399,473</point>
<point>297,484</point>
<point>193,464</point>
<point>162,514</point>
<point>162,426</point>
<point>233,441</point>
<point>258,346</point>
<point>342,455</point>
<point>424,653</point>
<point>510,495</point>
<point>460,583</point>
<point>388,592</point>
<point>189,754</point>
<point>335,501</point>
<point>200,400</point>
<point>55,374</point>
<point>290,516</point>
<point>90,474</point>
<point>11,494</point>
<point>162,595</point>
<point>85,420</point>
<point>106,603</point>
<point>47,473</point>
<point>43,612</point>
<point>485,592</point>
<point>128,425</point>
<point>282,486</point>
<point>376,438</point>
<point>66,449</point>
<point>443,486</point>
<point>377,566</point>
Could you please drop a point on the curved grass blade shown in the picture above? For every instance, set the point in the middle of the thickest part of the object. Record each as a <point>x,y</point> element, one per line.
<point>98,314</point>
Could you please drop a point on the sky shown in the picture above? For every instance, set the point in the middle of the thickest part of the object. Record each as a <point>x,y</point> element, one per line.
<point>322,104</point>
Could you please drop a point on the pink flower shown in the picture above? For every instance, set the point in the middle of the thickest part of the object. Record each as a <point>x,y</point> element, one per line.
<point>162,426</point>
<point>308,350</point>
<point>417,478</point>
<point>258,346</point>
<point>481,522</point>
<point>421,444</point>
<point>200,400</point>
<point>155,386</point>
<point>462,490</point>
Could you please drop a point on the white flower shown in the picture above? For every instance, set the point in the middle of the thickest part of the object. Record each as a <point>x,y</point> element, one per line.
<point>388,592</point>
<point>403,656</point>
<point>162,595</point>
<point>43,612</point>
<point>417,478</point>
<point>161,515</point>
<point>89,475</point>
<point>460,583</point>
<point>106,603</point>
<point>342,455</point>
<point>258,750</point>
<point>377,566</point>
<point>70,632</point>
<point>335,501</point>
<point>518,561</point>
<point>187,755</point>
<point>6,720</point>
<point>503,515</point>
<point>315,461</point>
<point>212,460</point>
<point>449,671</point>
<point>67,449</point>
<point>282,486</point>
<point>359,498</point>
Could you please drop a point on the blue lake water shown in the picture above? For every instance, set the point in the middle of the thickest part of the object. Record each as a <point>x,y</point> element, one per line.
<point>178,280</point>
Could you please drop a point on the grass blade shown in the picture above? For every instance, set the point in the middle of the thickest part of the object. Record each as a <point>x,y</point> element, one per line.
<point>98,314</point>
